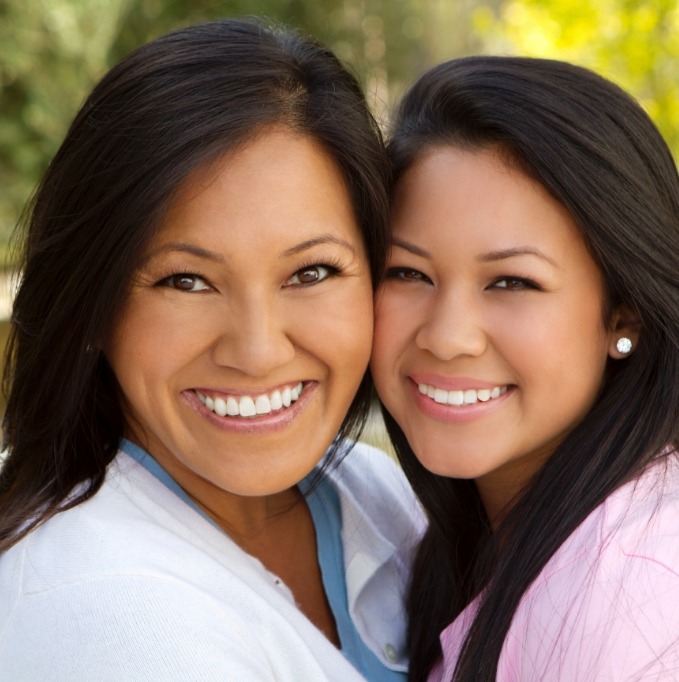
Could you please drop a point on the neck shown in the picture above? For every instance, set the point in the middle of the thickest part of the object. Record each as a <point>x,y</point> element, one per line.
<point>245,519</point>
<point>501,488</point>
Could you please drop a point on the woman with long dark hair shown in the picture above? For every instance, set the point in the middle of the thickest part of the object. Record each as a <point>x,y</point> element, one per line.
<point>186,370</point>
<point>527,355</point>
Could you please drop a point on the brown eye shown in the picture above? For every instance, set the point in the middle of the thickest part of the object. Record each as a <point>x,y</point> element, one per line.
<point>308,276</point>
<point>514,283</point>
<point>311,275</point>
<point>406,275</point>
<point>185,281</point>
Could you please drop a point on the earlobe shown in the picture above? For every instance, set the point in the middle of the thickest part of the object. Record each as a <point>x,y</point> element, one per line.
<point>623,332</point>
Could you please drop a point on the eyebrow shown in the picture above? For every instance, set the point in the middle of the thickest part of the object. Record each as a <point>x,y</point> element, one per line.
<point>489,257</point>
<point>415,250</point>
<point>316,241</point>
<point>182,247</point>
<point>503,254</point>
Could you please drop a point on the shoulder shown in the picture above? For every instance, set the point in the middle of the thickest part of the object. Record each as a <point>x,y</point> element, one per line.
<point>133,584</point>
<point>133,531</point>
<point>119,527</point>
<point>638,522</point>
<point>605,606</point>
<point>641,518</point>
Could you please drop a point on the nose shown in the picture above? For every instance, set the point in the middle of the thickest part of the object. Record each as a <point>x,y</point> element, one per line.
<point>254,340</point>
<point>452,327</point>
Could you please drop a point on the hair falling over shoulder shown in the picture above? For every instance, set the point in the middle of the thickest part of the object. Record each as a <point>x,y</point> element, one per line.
<point>595,150</point>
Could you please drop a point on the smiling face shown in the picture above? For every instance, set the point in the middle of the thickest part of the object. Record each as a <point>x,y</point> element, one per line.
<point>247,329</point>
<point>490,340</point>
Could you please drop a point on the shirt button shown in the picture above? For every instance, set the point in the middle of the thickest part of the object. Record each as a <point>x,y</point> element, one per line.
<point>390,653</point>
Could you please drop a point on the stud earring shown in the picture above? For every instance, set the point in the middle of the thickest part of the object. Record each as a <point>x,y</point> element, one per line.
<point>624,345</point>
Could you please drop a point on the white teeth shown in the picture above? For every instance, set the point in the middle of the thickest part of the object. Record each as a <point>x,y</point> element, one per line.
<point>262,405</point>
<point>296,391</point>
<point>246,406</point>
<point>470,397</point>
<point>249,406</point>
<point>276,400</point>
<point>231,407</point>
<point>457,398</point>
<point>220,407</point>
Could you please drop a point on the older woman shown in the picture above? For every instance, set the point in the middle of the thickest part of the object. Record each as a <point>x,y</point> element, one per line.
<point>190,337</point>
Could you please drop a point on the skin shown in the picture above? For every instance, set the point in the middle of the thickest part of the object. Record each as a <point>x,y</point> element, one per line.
<point>257,280</point>
<point>490,287</point>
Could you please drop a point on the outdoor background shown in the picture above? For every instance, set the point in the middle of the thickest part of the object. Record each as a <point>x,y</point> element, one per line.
<point>53,51</point>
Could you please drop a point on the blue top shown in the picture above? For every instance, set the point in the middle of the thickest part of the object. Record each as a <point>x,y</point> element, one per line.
<point>324,506</point>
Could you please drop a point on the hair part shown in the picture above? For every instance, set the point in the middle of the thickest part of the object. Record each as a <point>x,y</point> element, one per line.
<point>591,146</point>
<point>174,105</point>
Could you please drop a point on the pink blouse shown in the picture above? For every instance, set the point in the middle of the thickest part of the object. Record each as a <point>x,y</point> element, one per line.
<point>606,606</point>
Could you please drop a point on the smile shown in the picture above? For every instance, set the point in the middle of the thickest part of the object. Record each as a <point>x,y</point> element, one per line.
<point>467,397</point>
<point>251,405</point>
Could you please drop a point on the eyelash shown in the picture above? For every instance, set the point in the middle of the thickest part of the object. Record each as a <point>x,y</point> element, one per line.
<point>515,283</point>
<point>332,265</point>
<point>167,280</point>
<point>401,272</point>
<point>522,282</point>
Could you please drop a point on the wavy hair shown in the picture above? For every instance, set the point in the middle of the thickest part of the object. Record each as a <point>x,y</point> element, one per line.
<point>595,150</point>
<point>167,109</point>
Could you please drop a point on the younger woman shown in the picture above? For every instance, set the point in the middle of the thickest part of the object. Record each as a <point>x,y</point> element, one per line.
<point>527,355</point>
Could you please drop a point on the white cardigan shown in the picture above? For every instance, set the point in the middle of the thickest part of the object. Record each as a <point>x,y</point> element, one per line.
<point>135,585</point>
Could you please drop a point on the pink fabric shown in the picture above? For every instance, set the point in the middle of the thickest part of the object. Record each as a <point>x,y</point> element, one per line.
<point>606,607</point>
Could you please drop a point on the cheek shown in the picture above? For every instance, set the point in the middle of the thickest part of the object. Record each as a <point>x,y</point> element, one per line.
<point>565,354</point>
<point>389,342</point>
<point>339,328</point>
<point>150,343</point>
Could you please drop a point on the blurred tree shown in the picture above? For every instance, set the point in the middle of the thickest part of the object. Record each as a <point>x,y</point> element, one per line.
<point>632,42</point>
<point>52,52</point>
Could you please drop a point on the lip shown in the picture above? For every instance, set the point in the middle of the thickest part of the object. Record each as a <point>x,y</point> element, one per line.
<point>452,413</point>
<point>223,393</point>
<point>265,423</point>
<point>451,383</point>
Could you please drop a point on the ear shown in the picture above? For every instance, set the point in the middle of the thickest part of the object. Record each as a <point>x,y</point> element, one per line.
<point>625,324</point>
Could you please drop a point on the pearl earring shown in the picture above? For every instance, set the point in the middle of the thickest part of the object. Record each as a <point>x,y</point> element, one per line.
<point>624,345</point>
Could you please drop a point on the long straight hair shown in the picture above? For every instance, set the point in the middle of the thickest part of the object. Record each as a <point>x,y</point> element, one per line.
<point>167,109</point>
<point>595,150</point>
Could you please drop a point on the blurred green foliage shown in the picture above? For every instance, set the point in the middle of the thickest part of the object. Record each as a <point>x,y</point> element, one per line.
<point>635,43</point>
<point>53,51</point>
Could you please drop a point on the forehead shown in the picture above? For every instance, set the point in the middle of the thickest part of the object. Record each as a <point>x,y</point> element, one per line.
<point>280,183</point>
<point>479,199</point>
